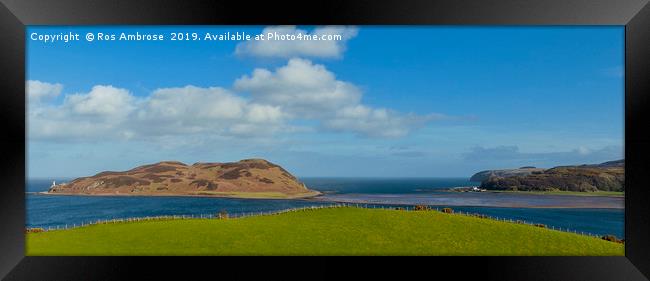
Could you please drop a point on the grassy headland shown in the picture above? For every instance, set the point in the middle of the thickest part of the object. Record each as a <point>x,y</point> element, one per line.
<point>248,178</point>
<point>330,231</point>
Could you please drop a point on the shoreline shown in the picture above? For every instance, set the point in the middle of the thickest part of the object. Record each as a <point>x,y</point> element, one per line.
<point>321,197</point>
<point>451,205</point>
<point>615,194</point>
<point>612,194</point>
<point>482,199</point>
<point>233,195</point>
<point>476,206</point>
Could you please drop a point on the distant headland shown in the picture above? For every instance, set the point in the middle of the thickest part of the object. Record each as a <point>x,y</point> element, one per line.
<point>608,176</point>
<point>249,178</point>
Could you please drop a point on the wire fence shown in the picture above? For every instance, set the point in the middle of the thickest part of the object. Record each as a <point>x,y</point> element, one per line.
<point>417,208</point>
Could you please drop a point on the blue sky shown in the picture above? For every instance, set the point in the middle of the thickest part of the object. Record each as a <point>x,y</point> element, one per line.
<point>383,101</point>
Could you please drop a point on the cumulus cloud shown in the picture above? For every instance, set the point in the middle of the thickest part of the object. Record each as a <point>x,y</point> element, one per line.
<point>307,90</point>
<point>110,112</point>
<point>300,87</point>
<point>192,104</point>
<point>212,110</point>
<point>296,92</point>
<point>96,114</point>
<point>101,101</point>
<point>272,47</point>
<point>38,91</point>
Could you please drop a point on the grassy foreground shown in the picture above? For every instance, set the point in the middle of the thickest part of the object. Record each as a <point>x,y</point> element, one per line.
<point>332,231</point>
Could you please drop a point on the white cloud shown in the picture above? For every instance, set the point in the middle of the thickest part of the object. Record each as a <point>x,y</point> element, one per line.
<point>299,92</point>
<point>101,101</point>
<point>107,112</point>
<point>272,47</point>
<point>300,87</point>
<point>93,115</point>
<point>97,114</point>
<point>211,110</point>
<point>259,113</point>
<point>38,91</point>
<point>307,90</point>
<point>376,122</point>
<point>192,103</point>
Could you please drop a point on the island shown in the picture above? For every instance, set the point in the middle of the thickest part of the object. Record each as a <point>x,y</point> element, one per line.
<point>249,178</point>
<point>606,177</point>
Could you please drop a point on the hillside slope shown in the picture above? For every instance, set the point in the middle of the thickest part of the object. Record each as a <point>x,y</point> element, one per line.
<point>332,231</point>
<point>608,176</point>
<point>247,178</point>
<point>523,171</point>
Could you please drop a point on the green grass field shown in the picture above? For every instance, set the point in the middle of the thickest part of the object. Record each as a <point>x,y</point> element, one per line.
<point>331,231</point>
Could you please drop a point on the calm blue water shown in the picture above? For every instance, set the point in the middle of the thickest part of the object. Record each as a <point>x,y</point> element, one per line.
<point>52,211</point>
<point>387,185</point>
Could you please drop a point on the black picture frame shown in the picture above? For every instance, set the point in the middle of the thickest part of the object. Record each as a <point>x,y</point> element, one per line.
<point>633,14</point>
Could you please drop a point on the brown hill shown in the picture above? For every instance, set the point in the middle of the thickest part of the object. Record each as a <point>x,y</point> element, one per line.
<point>250,178</point>
<point>608,176</point>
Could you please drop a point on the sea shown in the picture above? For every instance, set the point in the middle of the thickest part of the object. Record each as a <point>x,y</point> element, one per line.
<point>582,214</point>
